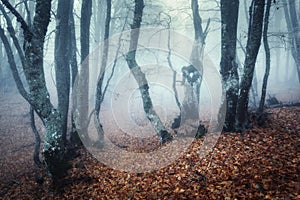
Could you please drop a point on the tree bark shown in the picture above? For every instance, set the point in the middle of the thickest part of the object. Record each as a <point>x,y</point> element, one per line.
<point>83,78</point>
<point>61,58</point>
<point>229,67</point>
<point>38,95</point>
<point>252,48</point>
<point>268,57</point>
<point>140,77</point>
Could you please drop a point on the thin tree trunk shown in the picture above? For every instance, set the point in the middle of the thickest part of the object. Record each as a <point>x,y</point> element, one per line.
<point>99,10</point>
<point>74,137</point>
<point>294,33</point>
<point>99,94</point>
<point>140,77</point>
<point>62,66</point>
<point>268,58</point>
<point>36,154</point>
<point>254,82</point>
<point>252,48</point>
<point>83,81</point>
<point>177,121</point>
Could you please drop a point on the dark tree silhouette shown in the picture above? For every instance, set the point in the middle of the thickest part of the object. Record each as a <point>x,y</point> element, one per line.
<point>253,43</point>
<point>61,58</point>
<point>229,67</point>
<point>268,57</point>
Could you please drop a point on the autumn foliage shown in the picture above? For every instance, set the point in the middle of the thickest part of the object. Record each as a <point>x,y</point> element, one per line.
<point>262,165</point>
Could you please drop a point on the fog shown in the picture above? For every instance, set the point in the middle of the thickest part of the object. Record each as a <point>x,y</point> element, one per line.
<point>283,81</point>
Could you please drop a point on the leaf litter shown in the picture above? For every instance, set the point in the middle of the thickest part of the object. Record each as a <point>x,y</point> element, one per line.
<point>262,165</point>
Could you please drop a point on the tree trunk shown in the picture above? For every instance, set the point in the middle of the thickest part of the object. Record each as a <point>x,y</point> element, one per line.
<point>38,95</point>
<point>99,92</point>
<point>177,121</point>
<point>83,81</point>
<point>140,77</point>
<point>36,154</point>
<point>74,137</point>
<point>296,34</point>
<point>190,105</point>
<point>252,48</point>
<point>229,67</point>
<point>291,18</point>
<point>99,10</point>
<point>62,57</point>
<point>268,57</point>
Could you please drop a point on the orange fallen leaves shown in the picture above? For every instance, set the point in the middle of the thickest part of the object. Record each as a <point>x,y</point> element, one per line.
<point>263,165</point>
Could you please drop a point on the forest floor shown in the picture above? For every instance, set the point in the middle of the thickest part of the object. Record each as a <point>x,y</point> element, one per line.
<point>265,164</point>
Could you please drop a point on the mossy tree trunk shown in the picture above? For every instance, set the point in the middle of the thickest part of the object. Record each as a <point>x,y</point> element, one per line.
<point>140,77</point>
<point>38,95</point>
<point>229,67</point>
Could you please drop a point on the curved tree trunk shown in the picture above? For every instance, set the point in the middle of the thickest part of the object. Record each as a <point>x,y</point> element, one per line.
<point>252,48</point>
<point>99,92</point>
<point>190,105</point>
<point>74,137</point>
<point>140,77</point>
<point>36,154</point>
<point>268,57</point>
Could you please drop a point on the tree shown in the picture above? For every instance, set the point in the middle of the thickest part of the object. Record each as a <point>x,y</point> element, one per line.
<point>38,95</point>
<point>268,57</point>
<point>140,77</point>
<point>83,78</point>
<point>74,137</point>
<point>99,92</point>
<point>229,67</point>
<point>252,48</point>
<point>62,64</point>
<point>293,25</point>
<point>193,74</point>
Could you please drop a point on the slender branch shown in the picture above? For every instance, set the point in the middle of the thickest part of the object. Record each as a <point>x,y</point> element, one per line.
<point>171,66</point>
<point>36,153</point>
<point>27,32</point>
<point>28,12</point>
<point>206,30</point>
<point>115,62</point>
<point>13,66</point>
<point>12,33</point>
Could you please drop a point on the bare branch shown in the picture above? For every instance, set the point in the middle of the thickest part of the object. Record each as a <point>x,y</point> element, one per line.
<point>36,153</point>
<point>27,32</point>
<point>13,66</point>
<point>12,33</point>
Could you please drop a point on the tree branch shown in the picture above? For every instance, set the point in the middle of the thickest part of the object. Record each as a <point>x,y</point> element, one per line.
<point>27,32</point>
<point>12,33</point>
<point>13,66</point>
